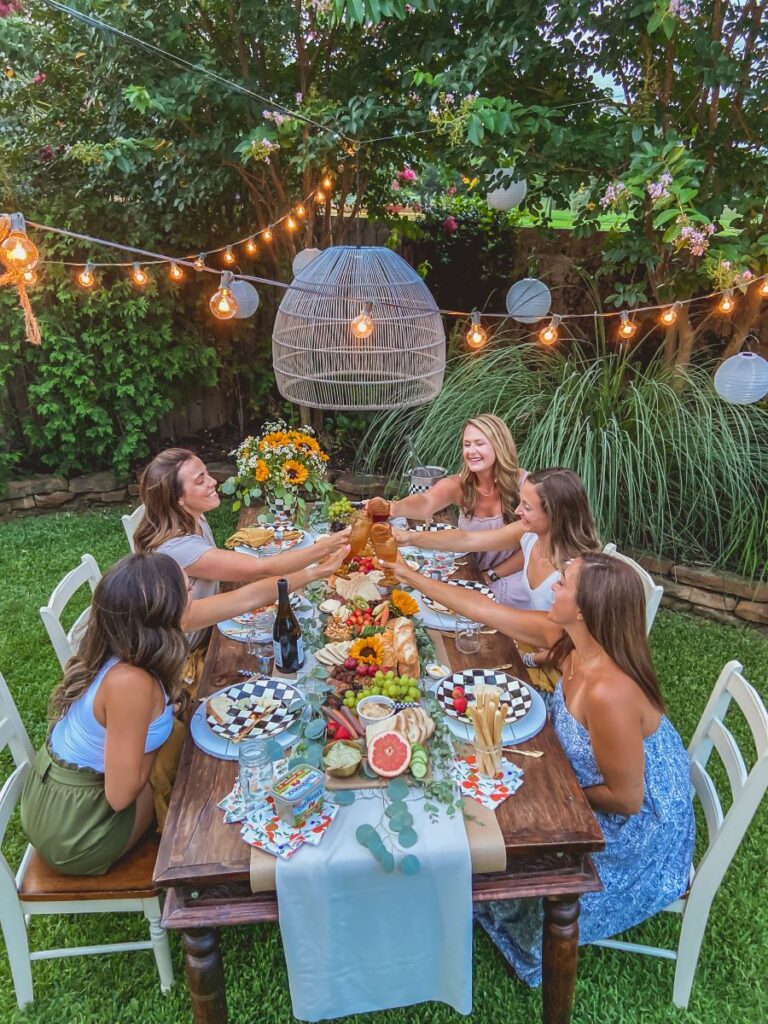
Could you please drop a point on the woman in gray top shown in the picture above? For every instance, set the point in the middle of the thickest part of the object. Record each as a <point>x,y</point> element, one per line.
<point>177,490</point>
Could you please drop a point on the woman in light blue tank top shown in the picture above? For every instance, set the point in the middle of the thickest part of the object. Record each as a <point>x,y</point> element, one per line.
<point>88,799</point>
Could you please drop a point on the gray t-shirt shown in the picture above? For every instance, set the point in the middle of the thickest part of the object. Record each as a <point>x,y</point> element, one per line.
<point>186,551</point>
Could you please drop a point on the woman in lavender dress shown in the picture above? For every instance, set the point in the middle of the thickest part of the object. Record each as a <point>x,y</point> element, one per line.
<point>487,492</point>
<point>609,716</point>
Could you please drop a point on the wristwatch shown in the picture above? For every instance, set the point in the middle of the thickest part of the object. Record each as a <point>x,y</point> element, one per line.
<point>492,576</point>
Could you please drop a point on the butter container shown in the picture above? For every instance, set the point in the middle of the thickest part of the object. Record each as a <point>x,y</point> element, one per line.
<point>299,794</point>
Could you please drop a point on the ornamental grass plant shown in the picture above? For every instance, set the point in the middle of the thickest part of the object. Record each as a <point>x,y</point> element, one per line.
<point>668,465</point>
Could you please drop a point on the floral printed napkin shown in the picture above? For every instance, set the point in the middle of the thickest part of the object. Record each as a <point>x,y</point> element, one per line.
<point>488,792</point>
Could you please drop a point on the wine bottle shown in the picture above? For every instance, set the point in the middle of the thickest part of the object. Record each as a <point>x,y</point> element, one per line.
<point>289,645</point>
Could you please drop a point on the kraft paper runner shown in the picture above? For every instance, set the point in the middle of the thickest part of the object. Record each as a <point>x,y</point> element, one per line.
<point>486,847</point>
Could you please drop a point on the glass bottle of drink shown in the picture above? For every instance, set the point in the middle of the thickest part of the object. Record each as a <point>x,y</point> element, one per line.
<point>289,646</point>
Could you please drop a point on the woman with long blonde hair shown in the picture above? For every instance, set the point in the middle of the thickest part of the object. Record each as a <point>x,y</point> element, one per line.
<point>89,796</point>
<point>609,715</point>
<point>486,491</point>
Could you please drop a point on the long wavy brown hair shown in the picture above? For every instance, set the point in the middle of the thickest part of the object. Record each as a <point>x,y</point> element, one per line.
<point>135,617</point>
<point>611,599</point>
<point>565,502</point>
<point>160,491</point>
<point>506,469</point>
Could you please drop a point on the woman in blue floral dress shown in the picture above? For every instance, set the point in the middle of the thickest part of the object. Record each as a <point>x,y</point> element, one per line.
<point>609,715</point>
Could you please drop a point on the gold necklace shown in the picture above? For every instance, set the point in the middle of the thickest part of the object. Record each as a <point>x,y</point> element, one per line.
<point>582,662</point>
<point>485,494</point>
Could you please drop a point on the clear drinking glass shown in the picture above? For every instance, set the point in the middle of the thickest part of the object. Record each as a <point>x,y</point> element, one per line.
<point>255,777</point>
<point>467,635</point>
<point>262,648</point>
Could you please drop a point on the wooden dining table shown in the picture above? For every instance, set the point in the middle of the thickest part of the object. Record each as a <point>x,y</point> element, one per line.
<point>548,828</point>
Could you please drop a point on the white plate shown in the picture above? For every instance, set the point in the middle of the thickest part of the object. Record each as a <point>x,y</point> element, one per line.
<point>274,549</point>
<point>222,748</point>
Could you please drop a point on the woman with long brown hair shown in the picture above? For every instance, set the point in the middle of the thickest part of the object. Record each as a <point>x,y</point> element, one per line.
<point>487,492</point>
<point>177,490</point>
<point>609,715</point>
<point>88,798</point>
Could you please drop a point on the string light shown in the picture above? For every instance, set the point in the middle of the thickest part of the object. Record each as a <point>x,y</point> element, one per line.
<point>362,325</point>
<point>223,303</point>
<point>267,236</point>
<point>301,209</point>
<point>18,251</point>
<point>29,276</point>
<point>229,256</point>
<point>291,224</point>
<point>85,277</point>
<point>139,275</point>
<point>764,289</point>
<point>199,263</point>
<point>727,303</point>
<point>669,315</point>
<point>319,196</point>
<point>327,182</point>
<point>250,247</point>
<point>175,272</point>
<point>627,327</point>
<point>477,336</point>
<point>550,334</point>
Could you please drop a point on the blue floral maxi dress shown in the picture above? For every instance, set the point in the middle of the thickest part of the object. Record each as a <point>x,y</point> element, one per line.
<point>646,862</point>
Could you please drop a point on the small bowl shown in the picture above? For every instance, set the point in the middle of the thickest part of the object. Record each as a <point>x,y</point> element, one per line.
<point>375,698</point>
<point>437,671</point>
<point>349,771</point>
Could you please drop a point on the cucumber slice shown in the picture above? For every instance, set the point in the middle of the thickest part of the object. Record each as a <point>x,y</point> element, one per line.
<point>418,769</point>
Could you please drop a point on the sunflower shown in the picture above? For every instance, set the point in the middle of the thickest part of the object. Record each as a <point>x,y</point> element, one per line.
<point>368,650</point>
<point>261,473</point>
<point>403,602</point>
<point>294,473</point>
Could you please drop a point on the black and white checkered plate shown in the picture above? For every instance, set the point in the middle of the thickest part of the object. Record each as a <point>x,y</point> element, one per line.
<point>513,692</point>
<point>479,588</point>
<point>278,719</point>
<point>434,527</point>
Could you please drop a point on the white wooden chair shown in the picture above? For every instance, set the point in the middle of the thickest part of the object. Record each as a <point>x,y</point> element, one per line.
<point>653,591</point>
<point>38,889</point>
<point>64,642</point>
<point>130,523</point>
<point>725,832</point>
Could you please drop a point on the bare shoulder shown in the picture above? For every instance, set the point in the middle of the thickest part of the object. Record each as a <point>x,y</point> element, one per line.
<point>124,681</point>
<point>614,695</point>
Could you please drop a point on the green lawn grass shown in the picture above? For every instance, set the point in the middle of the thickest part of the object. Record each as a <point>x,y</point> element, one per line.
<point>613,988</point>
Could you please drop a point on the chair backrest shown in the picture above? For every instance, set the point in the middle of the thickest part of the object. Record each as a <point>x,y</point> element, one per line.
<point>65,642</point>
<point>653,591</point>
<point>13,736</point>
<point>130,523</point>
<point>747,787</point>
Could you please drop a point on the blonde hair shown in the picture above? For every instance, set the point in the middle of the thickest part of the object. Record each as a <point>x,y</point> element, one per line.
<point>566,505</point>
<point>506,469</point>
<point>160,492</point>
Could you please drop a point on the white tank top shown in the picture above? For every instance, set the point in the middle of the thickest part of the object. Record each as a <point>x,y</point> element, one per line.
<point>540,598</point>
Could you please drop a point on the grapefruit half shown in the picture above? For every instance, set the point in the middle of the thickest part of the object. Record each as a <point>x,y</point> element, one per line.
<point>389,754</point>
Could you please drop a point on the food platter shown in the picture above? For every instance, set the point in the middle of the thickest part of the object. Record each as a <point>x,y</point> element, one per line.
<point>242,627</point>
<point>473,585</point>
<point>438,528</point>
<point>220,746</point>
<point>258,708</point>
<point>274,547</point>
<point>513,692</point>
<point>515,731</point>
<point>434,618</point>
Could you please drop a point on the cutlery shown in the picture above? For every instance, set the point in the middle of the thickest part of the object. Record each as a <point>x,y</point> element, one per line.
<point>525,753</point>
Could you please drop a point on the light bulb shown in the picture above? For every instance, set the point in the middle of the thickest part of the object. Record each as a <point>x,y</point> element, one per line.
<point>250,247</point>
<point>727,303</point>
<point>223,302</point>
<point>199,263</point>
<point>764,289</point>
<point>175,272</point>
<point>267,235</point>
<point>327,182</point>
<point>319,196</point>
<point>669,316</point>
<point>229,256</point>
<point>18,251</point>
<point>139,276</point>
<point>85,277</point>
<point>477,336</point>
<point>362,325</point>
<point>627,327</point>
<point>549,334</point>
<point>29,276</point>
<point>291,224</point>
<point>301,210</point>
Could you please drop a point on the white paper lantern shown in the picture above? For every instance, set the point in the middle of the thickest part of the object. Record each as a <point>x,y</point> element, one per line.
<point>742,379</point>
<point>501,198</point>
<point>247,299</point>
<point>319,359</point>
<point>528,300</point>
<point>303,259</point>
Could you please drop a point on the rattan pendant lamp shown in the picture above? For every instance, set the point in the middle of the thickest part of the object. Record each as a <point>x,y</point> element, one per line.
<point>358,329</point>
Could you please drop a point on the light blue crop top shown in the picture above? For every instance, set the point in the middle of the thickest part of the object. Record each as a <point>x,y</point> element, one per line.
<point>78,738</point>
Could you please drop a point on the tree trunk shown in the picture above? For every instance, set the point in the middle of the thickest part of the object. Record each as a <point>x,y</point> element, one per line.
<point>670,346</point>
<point>686,337</point>
<point>744,323</point>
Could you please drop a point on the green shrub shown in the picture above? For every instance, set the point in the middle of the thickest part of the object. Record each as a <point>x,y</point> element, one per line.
<point>668,465</point>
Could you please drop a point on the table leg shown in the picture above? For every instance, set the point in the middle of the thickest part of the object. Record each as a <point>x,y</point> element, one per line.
<point>560,953</point>
<point>205,975</point>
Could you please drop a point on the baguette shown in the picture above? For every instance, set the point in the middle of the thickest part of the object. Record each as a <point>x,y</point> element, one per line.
<point>404,643</point>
